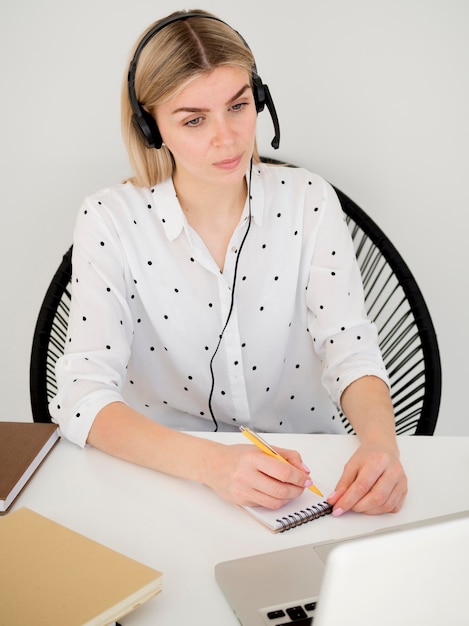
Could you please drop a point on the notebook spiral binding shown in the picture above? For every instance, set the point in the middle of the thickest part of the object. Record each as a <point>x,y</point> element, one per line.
<point>306,515</point>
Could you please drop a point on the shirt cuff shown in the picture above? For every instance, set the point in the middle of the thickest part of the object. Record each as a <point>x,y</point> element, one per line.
<point>78,424</point>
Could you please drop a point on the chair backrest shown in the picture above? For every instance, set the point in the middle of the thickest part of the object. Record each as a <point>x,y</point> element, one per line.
<point>50,336</point>
<point>393,299</point>
<point>406,333</point>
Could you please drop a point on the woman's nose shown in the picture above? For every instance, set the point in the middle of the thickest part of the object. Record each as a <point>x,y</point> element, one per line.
<point>223,133</point>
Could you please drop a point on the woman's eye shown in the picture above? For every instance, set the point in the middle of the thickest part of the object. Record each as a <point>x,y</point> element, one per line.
<point>195,122</point>
<point>239,106</point>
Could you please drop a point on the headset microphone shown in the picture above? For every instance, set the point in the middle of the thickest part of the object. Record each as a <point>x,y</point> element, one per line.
<point>273,114</point>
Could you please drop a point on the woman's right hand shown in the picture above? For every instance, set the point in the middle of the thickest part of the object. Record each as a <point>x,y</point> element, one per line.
<point>239,473</point>
<point>244,475</point>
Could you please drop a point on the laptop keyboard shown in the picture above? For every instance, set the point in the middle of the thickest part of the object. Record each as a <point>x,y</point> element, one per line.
<point>298,615</point>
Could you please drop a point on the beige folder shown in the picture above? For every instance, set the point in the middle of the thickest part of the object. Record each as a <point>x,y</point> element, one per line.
<point>53,576</point>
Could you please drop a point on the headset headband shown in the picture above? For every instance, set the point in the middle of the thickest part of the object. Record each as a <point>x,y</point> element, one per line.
<point>145,122</point>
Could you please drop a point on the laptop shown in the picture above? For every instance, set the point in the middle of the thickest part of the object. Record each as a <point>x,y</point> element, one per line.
<point>416,573</point>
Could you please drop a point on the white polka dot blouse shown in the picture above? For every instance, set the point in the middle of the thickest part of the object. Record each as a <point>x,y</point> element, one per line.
<point>149,306</point>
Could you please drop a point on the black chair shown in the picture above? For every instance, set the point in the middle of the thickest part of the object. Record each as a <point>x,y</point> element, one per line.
<point>394,301</point>
<point>406,333</point>
<point>49,340</point>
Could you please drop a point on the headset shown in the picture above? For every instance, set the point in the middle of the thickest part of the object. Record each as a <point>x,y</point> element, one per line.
<point>146,124</point>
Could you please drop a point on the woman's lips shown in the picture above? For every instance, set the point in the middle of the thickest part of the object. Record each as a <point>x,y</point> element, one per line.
<point>229,164</point>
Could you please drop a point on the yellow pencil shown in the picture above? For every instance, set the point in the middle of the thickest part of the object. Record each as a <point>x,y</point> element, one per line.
<point>264,446</point>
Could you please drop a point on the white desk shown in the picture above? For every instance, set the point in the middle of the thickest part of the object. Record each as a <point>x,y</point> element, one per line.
<point>184,529</point>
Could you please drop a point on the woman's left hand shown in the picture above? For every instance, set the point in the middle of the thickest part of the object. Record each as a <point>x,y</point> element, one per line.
<point>373,482</point>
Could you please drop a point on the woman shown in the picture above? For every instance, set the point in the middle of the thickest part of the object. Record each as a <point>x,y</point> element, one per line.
<point>212,291</point>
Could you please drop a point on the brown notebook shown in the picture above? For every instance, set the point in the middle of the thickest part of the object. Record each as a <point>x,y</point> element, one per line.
<point>23,447</point>
<point>53,576</point>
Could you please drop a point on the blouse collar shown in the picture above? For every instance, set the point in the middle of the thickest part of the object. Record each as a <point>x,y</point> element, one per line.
<point>172,216</point>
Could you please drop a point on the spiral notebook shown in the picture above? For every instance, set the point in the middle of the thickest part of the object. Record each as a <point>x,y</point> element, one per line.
<point>306,508</point>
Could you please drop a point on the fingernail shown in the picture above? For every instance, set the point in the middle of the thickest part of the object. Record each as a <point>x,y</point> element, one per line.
<point>306,468</point>
<point>331,495</point>
<point>337,512</point>
<point>308,483</point>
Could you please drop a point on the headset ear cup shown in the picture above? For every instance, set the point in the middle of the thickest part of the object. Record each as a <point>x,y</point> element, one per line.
<point>263,98</point>
<point>259,92</point>
<point>148,128</point>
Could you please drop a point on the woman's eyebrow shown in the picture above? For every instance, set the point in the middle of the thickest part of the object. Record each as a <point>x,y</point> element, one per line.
<point>238,94</point>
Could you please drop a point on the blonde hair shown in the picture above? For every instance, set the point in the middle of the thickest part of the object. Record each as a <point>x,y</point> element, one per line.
<point>182,51</point>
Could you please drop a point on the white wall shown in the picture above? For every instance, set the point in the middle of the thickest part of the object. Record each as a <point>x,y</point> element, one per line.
<point>372,94</point>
